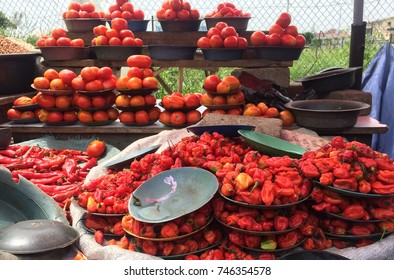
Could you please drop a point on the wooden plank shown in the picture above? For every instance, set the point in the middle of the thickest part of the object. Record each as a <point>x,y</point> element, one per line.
<point>196,63</point>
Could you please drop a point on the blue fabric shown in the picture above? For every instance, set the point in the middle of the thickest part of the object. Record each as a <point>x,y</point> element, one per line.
<point>378,79</point>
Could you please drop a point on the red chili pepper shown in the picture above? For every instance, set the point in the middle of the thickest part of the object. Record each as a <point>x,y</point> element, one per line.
<point>357,229</point>
<point>150,247</point>
<point>386,226</point>
<point>325,165</point>
<point>369,163</point>
<point>283,161</point>
<point>384,164</point>
<point>281,223</point>
<point>253,196</point>
<point>295,220</point>
<point>48,181</point>
<point>341,172</point>
<point>379,188</point>
<point>355,211</point>
<point>8,153</point>
<point>118,229</point>
<point>364,186</point>
<point>167,248</point>
<point>386,176</point>
<point>349,184</point>
<point>99,237</point>
<point>382,213</point>
<point>268,192</point>
<point>69,169</point>
<point>185,228</point>
<point>309,170</point>
<point>90,164</point>
<point>287,240</point>
<point>252,241</point>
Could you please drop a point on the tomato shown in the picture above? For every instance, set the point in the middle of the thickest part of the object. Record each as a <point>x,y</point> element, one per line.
<point>301,41</point>
<point>292,30</point>
<point>288,40</point>
<point>119,24</point>
<point>284,20</point>
<point>96,149</point>
<point>139,60</point>
<point>273,39</point>
<point>203,43</point>
<point>211,82</point>
<point>258,38</point>
<point>228,31</point>
<point>276,28</point>
<point>230,42</point>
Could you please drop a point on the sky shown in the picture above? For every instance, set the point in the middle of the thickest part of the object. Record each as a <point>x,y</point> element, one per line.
<point>308,15</point>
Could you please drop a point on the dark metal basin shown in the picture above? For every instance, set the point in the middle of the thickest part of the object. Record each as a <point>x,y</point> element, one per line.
<point>326,114</point>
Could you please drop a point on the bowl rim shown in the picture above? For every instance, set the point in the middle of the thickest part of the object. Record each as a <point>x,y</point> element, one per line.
<point>328,74</point>
<point>362,105</point>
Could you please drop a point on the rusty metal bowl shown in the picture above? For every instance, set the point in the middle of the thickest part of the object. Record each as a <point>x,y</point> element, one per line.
<point>326,114</point>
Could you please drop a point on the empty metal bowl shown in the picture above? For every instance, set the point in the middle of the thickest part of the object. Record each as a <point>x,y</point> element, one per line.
<point>326,114</point>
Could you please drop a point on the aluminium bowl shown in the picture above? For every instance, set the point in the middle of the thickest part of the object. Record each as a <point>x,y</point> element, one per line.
<point>326,114</point>
<point>82,24</point>
<point>135,25</point>
<point>223,53</point>
<point>180,25</point>
<point>239,23</point>
<point>169,52</point>
<point>277,53</point>
<point>115,52</point>
<point>64,53</point>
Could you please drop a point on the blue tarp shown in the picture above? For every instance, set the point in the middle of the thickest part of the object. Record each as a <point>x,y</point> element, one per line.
<point>378,79</point>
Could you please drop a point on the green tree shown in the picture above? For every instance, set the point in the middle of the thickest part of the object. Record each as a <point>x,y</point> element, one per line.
<point>5,23</point>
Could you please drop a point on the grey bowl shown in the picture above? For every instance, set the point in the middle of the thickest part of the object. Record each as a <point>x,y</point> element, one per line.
<point>168,52</point>
<point>180,25</point>
<point>326,114</point>
<point>82,24</point>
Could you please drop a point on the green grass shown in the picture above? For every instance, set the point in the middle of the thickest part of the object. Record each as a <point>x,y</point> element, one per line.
<point>312,60</point>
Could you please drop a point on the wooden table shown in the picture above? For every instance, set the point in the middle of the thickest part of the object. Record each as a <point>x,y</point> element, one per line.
<point>121,136</point>
<point>362,131</point>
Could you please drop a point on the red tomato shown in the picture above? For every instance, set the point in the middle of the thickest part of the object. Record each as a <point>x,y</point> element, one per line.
<point>119,24</point>
<point>276,28</point>
<point>211,82</point>
<point>139,60</point>
<point>96,149</point>
<point>288,40</point>
<point>292,30</point>
<point>273,40</point>
<point>230,42</point>
<point>301,41</point>
<point>284,20</point>
<point>258,38</point>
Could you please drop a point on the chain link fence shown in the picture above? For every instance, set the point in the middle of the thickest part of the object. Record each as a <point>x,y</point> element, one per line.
<point>326,24</point>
